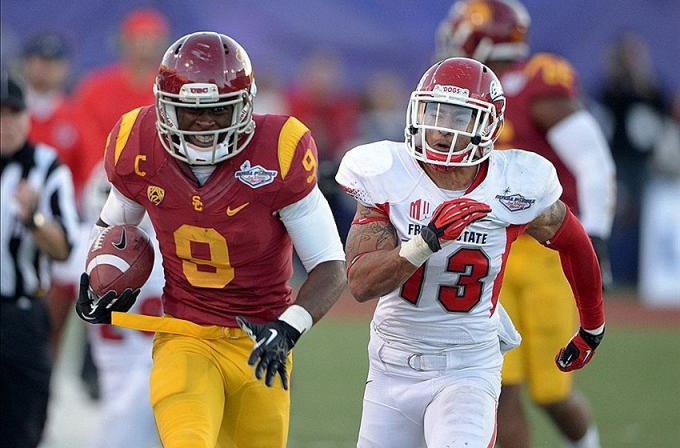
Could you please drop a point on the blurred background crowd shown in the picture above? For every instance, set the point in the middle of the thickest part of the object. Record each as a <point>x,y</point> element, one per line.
<point>346,69</point>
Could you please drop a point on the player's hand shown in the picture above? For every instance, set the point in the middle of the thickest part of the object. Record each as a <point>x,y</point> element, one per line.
<point>450,219</point>
<point>273,341</point>
<point>579,351</point>
<point>97,310</point>
<point>600,246</point>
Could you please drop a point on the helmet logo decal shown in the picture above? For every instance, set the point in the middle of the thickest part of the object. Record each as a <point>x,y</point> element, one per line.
<point>451,90</point>
<point>495,89</point>
<point>256,176</point>
<point>198,93</point>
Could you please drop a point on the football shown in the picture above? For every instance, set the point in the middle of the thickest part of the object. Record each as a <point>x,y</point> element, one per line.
<point>121,257</point>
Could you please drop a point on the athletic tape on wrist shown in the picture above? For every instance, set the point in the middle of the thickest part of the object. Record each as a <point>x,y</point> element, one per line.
<point>416,251</point>
<point>297,317</point>
<point>595,331</point>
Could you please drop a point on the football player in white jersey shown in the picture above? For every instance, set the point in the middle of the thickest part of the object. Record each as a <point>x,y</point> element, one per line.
<point>435,219</point>
<point>122,356</point>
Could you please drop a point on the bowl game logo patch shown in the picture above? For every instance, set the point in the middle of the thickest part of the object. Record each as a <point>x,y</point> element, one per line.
<point>255,176</point>
<point>515,202</point>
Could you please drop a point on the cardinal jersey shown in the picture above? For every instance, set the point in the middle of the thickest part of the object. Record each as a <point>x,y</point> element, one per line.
<point>451,298</point>
<point>225,251</point>
<point>526,81</point>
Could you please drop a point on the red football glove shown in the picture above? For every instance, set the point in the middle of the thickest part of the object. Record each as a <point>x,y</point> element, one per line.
<point>450,219</point>
<point>579,351</point>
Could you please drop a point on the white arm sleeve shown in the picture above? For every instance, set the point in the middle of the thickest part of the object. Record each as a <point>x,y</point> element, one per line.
<point>580,144</point>
<point>119,209</point>
<point>311,227</point>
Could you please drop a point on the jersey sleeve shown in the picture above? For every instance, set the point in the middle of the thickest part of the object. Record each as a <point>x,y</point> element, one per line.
<point>298,163</point>
<point>533,182</point>
<point>553,188</point>
<point>550,75</point>
<point>546,185</point>
<point>119,160</point>
<point>360,173</point>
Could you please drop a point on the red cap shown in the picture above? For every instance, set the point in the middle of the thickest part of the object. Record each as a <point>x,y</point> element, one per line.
<point>145,21</point>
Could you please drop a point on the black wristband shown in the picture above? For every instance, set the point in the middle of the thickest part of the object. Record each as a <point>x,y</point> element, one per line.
<point>591,339</point>
<point>429,234</point>
<point>290,332</point>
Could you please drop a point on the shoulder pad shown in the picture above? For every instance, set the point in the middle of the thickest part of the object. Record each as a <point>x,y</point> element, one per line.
<point>531,176</point>
<point>366,172</point>
<point>297,158</point>
<point>551,75</point>
<point>130,143</point>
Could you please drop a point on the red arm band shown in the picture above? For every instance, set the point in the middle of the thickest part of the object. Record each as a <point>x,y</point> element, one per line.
<point>581,268</point>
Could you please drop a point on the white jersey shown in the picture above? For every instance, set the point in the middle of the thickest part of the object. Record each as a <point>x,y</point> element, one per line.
<point>451,299</point>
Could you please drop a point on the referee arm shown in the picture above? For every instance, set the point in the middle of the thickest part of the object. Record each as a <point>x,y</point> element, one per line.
<point>50,215</point>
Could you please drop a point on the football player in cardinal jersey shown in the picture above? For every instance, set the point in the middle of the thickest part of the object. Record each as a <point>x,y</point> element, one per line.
<point>122,356</point>
<point>544,115</point>
<point>435,219</point>
<point>229,194</point>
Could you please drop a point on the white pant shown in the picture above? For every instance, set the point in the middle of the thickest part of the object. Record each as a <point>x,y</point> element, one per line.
<point>127,419</point>
<point>440,400</point>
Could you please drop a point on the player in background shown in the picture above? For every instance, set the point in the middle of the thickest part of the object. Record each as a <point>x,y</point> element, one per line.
<point>544,115</point>
<point>435,219</point>
<point>229,194</point>
<point>122,356</point>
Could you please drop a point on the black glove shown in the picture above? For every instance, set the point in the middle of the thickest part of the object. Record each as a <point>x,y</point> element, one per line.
<point>97,310</point>
<point>600,246</point>
<point>273,341</point>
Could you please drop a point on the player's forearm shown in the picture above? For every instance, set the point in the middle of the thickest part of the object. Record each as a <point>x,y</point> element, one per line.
<point>322,288</point>
<point>51,239</point>
<point>375,274</point>
<point>580,266</point>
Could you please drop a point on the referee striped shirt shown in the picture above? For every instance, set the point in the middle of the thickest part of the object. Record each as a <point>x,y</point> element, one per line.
<point>25,270</point>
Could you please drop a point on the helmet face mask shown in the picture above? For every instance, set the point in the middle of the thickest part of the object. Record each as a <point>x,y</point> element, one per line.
<point>451,120</point>
<point>202,73</point>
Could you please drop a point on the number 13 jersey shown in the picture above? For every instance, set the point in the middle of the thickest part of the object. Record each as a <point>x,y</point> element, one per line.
<point>451,299</point>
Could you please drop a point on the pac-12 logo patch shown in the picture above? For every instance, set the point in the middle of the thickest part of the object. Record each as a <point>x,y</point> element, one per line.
<point>255,176</point>
<point>155,194</point>
<point>515,202</point>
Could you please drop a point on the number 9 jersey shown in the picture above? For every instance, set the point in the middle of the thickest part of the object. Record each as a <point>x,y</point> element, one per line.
<point>225,250</point>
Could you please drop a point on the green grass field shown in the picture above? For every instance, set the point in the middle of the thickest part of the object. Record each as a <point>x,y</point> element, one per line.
<point>633,386</point>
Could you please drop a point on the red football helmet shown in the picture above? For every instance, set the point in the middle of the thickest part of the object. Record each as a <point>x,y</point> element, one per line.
<point>460,103</point>
<point>205,70</point>
<point>485,30</point>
